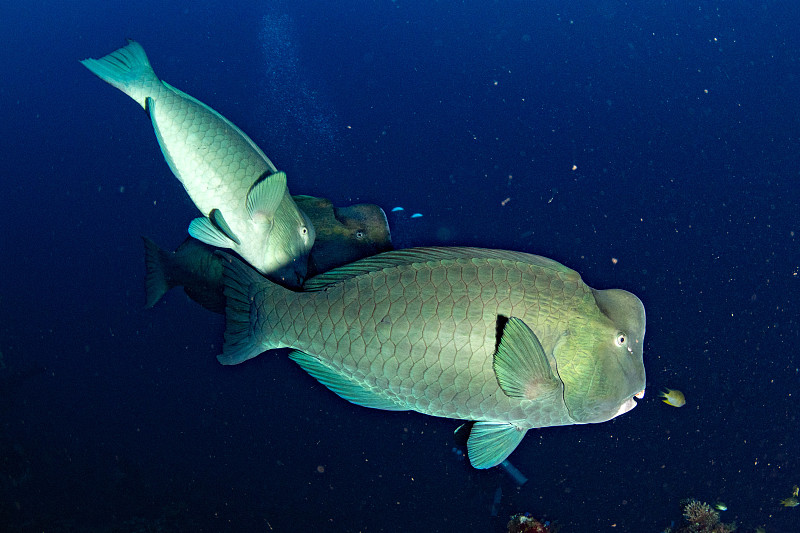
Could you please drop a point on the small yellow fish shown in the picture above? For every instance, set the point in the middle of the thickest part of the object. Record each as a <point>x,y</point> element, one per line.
<point>795,491</point>
<point>721,506</point>
<point>790,502</point>
<point>673,397</point>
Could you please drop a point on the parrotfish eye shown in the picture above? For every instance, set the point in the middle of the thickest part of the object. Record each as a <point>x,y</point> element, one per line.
<point>359,234</point>
<point>303,230</point>
<point>622,339</point>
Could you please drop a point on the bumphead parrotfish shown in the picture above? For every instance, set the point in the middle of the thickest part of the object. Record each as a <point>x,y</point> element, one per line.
<point>509,340</point>
<point>244,199</point>
<point>344,235</point>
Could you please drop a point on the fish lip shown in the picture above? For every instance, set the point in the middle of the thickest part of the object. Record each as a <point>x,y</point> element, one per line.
<point>626,406</point>
<point>639,395</point>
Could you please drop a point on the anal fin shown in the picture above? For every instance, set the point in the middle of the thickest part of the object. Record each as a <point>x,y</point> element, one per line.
<point>342,385</point>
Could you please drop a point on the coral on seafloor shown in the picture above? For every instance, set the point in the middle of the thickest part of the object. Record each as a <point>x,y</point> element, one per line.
<point>699,517</point>
<point>523,523</point>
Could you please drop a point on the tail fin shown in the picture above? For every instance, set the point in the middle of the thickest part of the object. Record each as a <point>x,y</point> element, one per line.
<point>241,285</point>
<point>127,69</point>
<point>157,280</point>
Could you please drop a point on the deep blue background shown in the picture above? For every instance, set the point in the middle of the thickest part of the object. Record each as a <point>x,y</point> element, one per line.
<point>683,123</point>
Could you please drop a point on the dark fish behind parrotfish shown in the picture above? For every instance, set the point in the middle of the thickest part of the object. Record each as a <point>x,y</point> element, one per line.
<point>509,340</point>
<point>192,266</point>
<point>348,233</point>
<point>344,235</point>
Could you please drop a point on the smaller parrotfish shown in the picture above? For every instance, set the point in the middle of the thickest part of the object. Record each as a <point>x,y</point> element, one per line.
<point>244,199</point>
<point>720,506</point>
<point>673,397</point>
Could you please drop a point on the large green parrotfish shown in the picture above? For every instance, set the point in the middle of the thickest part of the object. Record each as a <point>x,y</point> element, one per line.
<point>244,199</point>
<point>344,235</point>
<point>508,340</point>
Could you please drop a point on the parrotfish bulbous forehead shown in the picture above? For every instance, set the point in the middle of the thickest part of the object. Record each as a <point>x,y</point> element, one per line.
<point>345,234</point>
<point>600,360</point>
<point>368,217</point>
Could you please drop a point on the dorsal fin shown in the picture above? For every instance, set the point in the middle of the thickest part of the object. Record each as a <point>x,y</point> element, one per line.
<point>409,256</point>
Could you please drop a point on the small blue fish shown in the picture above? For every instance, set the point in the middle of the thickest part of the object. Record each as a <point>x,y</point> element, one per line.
<point>397,209</point>
<point>416,215</point>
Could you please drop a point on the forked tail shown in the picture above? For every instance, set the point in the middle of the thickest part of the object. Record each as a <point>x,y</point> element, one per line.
<point>129,70</point>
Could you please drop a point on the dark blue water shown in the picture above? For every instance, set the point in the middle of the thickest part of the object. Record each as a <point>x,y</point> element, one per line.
<point>665,135</point>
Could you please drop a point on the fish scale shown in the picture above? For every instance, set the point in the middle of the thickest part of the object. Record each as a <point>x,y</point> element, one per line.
<point>216,166</point>
<point>448,341</point>
<point>418,330</point>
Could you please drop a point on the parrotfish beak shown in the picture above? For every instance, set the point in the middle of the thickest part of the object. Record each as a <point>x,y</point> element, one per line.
<point>626,406</point>
<point>629,404</point>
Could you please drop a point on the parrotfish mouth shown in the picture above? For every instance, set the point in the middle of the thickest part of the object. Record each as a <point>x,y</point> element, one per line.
<point>629,404</point>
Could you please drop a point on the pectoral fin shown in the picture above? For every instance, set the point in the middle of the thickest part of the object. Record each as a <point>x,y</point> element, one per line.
<point>213,230</point>
<point>343,385</point>
<point>520,364</point>
<point>491,442</point>
<point>265,195</point>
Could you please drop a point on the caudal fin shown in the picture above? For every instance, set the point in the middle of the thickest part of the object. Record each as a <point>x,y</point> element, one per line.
<point>127,69</point>
<point>157,280</point>
<point>241,285</point>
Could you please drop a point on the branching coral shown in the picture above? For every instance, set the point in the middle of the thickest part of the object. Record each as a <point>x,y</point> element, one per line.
<point>700,514</point>
<point>702,518</point>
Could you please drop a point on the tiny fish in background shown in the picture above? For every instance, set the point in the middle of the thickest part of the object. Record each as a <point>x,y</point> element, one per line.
<point>673,397</point>
<point>790,502</point>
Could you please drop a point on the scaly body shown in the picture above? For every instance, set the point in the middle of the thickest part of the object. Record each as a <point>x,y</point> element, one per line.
<point>227,176</point>
<point>512,341</point>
